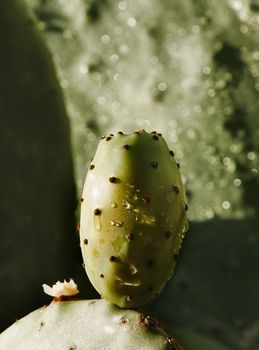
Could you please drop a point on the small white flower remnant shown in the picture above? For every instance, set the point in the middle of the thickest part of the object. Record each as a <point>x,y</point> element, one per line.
<point>61,289</point>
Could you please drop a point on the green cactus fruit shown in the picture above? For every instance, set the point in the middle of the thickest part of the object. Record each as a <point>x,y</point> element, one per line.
<point>133,217</point>
<point>86,325</point>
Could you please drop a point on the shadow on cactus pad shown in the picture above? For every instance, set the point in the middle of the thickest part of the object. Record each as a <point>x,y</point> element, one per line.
<point>215,288</point>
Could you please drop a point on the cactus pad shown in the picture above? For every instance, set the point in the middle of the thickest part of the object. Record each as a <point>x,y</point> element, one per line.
<point>85,325</point>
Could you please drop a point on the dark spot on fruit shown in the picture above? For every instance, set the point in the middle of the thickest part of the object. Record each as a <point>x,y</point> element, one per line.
<point>97,211</point>
<point>186,207</point>
<point>102,275</point>
<point>129,298</point>
<point>147,199</point>
<point>155,137</point>
<point>168,234</point>
<point>124,320</point>
<point>103,137</point>
<point>159,134</point>
<point>82,199</point>
<point>150,263</point>
<point>85,241</point>
<point>91,167</point>
<point>148,321</point>
<point>154,164</point>
<point>113,258</point>
<point>120,132</point>
<point>171,153</point>
<point>42,324</point>
<point>72,348</point>
<point>108,138</point>
<point>114,179</point>
<point>153,132</point>
<point>92,302</point>
<point>178,165</point>
<point>129,236</point>
<point>111,135</point>
<point>150,289</point>
<point>176,189</point>
<point>126,146</point>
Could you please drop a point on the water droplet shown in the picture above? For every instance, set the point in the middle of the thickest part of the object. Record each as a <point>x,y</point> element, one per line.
<point>148,219</point>
<point>186,227</point>
<point>105,39</point>
<point>162,86</point>
<point>195,29</point>
<point>126,205</point>
<point>113,205</point>
<point>132,22</point>
<point>123,5</point>
<point>96,253</point>
<point>251,155</point>
<point>118,243</point>
<point>237,182</point>
<point>97,222</point>
<point>116,223</point>
<point>133,269</point>
<point>206,70</point>
<point>226,205</point>
<point>132,284</point>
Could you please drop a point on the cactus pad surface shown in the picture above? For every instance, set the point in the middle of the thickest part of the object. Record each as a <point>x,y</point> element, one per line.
<point>85,325</point>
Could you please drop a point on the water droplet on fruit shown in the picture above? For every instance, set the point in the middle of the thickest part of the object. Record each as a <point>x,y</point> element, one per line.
<point>186,227</point>
<point>147,219</point>
<point>126,205</point>
<point>130,282</point>
<point>113,205</point>
<point>97,223</point>
<point>96,253</point>
<point>133,269</point>
<point>116,223</point>
<point>118,243</point>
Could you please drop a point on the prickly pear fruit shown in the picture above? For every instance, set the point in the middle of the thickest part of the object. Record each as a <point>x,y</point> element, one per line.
<point>133,217</point>
<point>86,324</point>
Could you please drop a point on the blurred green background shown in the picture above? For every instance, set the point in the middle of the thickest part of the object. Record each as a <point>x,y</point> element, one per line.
<point>188,69</point>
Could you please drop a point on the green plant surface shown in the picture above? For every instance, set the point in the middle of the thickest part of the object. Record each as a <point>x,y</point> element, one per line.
<point>37,226</point>
<point>85,325</point>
